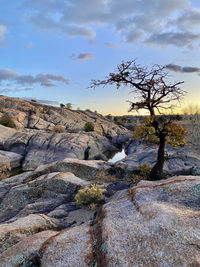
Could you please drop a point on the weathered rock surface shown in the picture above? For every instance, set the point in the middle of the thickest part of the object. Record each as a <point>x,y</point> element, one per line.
<point>42,117</point>
<point>153,224</point>
<point>5,133</point>
<point>34,194</point>
<point>12,233</point>
<point>25,252</point>
<point>42,147</point>
<point>86,169</point>
<point>180,160</point>
<point>70,248</point>
<point>9,162</point>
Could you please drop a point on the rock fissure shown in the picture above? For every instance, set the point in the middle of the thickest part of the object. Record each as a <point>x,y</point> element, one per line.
<point>98,258</point>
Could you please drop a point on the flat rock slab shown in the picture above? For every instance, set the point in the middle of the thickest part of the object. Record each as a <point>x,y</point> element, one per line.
<point>5,133</point>
<point>70,248</point>
<point>153,224</point>
<point>25,252</point>
<point>85,169</point>
<point>12,233</point>
<point>37,194</point>
<point>9,161</point>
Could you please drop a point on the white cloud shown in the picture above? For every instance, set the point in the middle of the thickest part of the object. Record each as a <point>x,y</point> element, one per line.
<point>144,20</point>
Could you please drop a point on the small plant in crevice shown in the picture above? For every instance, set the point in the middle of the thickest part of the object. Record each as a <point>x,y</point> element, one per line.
<point>145,170</point>
<point>89,126</point>
<point>90,196</point>
<point>59,129</point>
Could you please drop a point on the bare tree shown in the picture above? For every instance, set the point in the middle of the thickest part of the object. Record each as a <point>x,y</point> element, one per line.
<point>152,92</point>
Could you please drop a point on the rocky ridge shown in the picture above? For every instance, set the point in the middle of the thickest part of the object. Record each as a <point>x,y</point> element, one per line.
<point>35,141</point>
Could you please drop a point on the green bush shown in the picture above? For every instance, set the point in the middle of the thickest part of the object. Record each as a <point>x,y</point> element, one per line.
<point>34,100</point>
<point>90,196</point>
<point>145,170</point>
<point>7,121</point>
<point>89,126</point>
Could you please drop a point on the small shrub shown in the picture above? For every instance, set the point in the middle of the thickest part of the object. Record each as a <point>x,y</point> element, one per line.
<point>117,121</point>
<point>69,105</point>
<point>7,121</point>
<point>89,126</point>
<point>90,196</point>
<point>109,117</point>
<point>34,100</point>
<point>62,105</point>
<point>59,129</point>
<point>145,170</point>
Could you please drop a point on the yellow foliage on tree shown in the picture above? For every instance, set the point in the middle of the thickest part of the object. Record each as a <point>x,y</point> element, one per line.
<point>176,133</point>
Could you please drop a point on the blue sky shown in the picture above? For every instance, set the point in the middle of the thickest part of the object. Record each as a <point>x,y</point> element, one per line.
<point>51,49</point>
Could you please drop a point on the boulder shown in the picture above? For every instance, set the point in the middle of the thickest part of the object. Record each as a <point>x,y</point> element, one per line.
<point>180,160</point>
<point>37,195</point>
<point>86,169</point>
<point>9,162</point>
<point>152,224</point>
<point>42,147</point>
<point>26,251</point>
<point>12,233</point>
<point>70,248</point>
<point>5,133</point>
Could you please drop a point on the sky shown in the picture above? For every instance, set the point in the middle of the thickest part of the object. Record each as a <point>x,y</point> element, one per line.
<point>50,50</point>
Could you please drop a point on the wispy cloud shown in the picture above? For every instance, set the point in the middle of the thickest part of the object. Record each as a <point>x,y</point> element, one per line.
<point>83,56</point>
<point>42,101</point>
<point>111,45</point>
<point>3,31</point>
<point>43,79</point>
<point>8,90</point>
<point>29,45</point>
<point>187,69</point>
<point>129,19</point>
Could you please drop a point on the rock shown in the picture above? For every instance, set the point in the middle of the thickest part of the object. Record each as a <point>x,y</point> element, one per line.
<point>12,233</point>
<point>89,170</point>
<point>116,186</point>
<point>9,162</point>
<point>152,224</point>
<point>196,171</point>
<point>5,133</point>
<point>181,160</point>
<point>42,117</point>
<point>26,252</point>
<point>70,248</point>
<point>37,195</point>
<point>38,148</point>
<point>51,147</point>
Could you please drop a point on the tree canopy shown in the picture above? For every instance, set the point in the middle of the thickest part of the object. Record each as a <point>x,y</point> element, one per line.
<point>153,91</point>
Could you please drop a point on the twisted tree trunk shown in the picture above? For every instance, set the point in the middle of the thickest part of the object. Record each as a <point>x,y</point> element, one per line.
<point>157,170</point>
